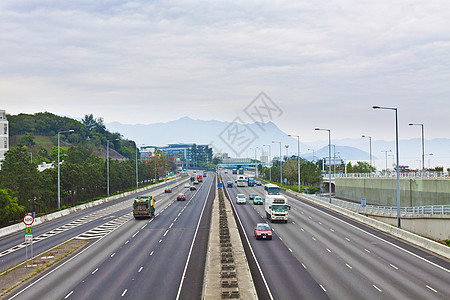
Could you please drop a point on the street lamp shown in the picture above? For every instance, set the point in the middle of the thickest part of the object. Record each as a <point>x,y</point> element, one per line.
<point>329,159</point>
<point>298,158</point>
<point>423,145</point>
<point>270,167</point>
<point>256,164</point>
<point>59,169</point>
<point>398,169</point>
<point>370,147</point>
<point>107,164</point>
<point>137,174</point>
<point>429,160</point>
<point>281,165</point>
<point>386,151</point>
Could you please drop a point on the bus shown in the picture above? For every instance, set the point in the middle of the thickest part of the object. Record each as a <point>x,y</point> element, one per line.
<point>271,189</point>
<point>241,181</point>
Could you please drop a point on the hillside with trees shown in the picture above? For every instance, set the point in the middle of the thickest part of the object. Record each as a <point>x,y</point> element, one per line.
<point>23,188</point>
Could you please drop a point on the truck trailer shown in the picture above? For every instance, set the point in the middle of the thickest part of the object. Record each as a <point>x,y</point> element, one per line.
<point>144,207</point>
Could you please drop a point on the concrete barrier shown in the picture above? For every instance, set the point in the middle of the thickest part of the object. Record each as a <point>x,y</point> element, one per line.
<point>397,232</point>
<point>21,226</point>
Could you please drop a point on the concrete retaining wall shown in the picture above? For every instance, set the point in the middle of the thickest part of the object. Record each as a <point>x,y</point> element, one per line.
<point>383,191</point>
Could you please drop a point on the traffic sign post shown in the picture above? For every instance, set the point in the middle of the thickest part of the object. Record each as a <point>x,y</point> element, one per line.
<point>28,220</point>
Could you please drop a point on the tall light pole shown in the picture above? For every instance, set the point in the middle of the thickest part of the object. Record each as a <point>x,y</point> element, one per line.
<point>137,174</point>
<point>59,169</point>
<point>423,145</point>
<point>270,167</point>
<point>281,165</point>
<point>370,149</point>
<point>329,159</point>
<point>256,165</point>
<point>429,160</point>
<point>386,151</point>
<point>398,169</point>
<point>107,164</point>
<point>298,158</point>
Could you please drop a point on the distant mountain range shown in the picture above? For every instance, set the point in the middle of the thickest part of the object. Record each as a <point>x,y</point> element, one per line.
<point>240,140</point>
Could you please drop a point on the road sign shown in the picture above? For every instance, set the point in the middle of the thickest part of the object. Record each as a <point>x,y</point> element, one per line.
<point>29,231</point>
<point>28,238</point>
<point>219,185</point>
<point>28,220</point>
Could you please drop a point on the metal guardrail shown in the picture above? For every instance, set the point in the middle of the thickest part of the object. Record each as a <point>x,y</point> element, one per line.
<point>390,210</point>
<point>409,175</point>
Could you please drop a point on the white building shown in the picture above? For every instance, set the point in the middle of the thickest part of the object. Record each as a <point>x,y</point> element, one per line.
<point>4,134</point>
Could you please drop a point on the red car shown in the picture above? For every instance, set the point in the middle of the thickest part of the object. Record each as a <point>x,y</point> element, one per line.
<point>263,231</point>
<point>168,190</point>
<point>181,197</point>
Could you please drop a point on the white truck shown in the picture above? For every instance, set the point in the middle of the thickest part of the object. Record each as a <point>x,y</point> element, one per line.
<point>276,207</point>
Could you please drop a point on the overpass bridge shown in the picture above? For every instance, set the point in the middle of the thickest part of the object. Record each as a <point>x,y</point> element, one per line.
<point>233,163</point>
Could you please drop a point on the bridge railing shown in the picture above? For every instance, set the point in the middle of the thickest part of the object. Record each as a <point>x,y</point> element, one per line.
<point>409,175</point>
<point>390,210</point>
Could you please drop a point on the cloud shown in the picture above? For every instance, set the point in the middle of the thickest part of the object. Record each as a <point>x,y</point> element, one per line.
<point>128,59</point>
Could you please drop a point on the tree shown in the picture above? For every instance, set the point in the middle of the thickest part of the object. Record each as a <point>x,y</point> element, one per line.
<point>20,175</point>
<point>360,167</point>
<point>27,139</point>
<point>9,208</point>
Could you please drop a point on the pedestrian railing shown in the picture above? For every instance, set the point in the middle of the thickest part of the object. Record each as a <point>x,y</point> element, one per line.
<point>390,210</point>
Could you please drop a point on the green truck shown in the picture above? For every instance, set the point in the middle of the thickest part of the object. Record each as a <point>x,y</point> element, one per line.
<point>144,207</point>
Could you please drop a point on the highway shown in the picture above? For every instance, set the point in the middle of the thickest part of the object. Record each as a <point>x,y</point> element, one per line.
<point>139,258</point>
<point>50,234</point>
<point>320,249</point>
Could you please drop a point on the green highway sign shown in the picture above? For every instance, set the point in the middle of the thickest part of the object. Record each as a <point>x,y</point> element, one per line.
<point>29,231</point>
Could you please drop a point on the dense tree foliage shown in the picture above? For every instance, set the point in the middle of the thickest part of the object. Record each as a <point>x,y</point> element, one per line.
<point>360,167</point>
<point>310,174</point>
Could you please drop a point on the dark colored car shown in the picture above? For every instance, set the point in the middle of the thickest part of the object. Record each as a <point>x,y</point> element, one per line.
<point>252,196</point>
<point>168,190</point>
<point>230,184</point>
<point>263,231</point>
<point>181,197</point>
<point>192,188</point>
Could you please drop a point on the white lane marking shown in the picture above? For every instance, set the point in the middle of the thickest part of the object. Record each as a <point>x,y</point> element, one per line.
<point>124,292</point>
<point>193,240</point>
<point>151,253</point>
<point>323,288</point>
<point>310,217</point>
<point>68,295</point>
<point>303,265</point>
<point>135,233</point>
<point>347,239</point>
<point>366,250</point>
<point>127,242</point>
<point>280,238</point>
<point>160,241</point>
<point>393,266</point>
<point>302,229</point>
<point>313,238</point>
<point>144,226</point>
<point>381,239</point>
<point>431,288</point>
<point>350,267</point>
<point>328,250</point>
<point>171,225</point>
<point>331,229</point>
<point>290,249</point>
<point>377,288</point>
<point>293,223</point>
<point>140,269</point>
<point>93,272</point>
<point>320,223</point>
<point>166,232</point>
<point>179,214</point>
<point>113,254</point>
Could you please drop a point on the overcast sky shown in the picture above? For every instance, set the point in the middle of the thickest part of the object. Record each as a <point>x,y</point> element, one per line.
<point>323,63</point>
